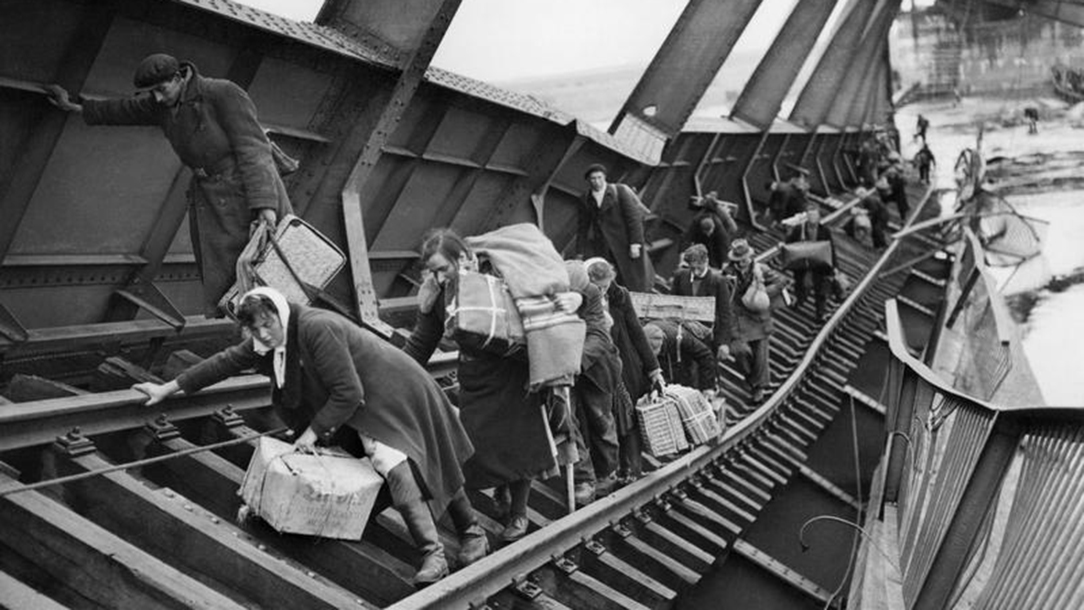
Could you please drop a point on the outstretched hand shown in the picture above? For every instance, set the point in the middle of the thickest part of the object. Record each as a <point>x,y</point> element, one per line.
<point>155,392</point>
<point>58,96</point>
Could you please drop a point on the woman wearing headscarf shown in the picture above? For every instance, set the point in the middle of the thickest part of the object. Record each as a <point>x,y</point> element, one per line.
<point>330,376</point>
<point>639,367</point>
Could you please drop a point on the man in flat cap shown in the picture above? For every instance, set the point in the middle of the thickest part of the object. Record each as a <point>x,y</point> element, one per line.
<point>611,226</point>
<point>211,124</point>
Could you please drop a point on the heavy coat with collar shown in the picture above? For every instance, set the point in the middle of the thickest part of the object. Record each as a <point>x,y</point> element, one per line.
<point>214,130</point>
<point>340,375</point>
<point>637,359</point>
<point>609,229</point>
<point>713,285</point>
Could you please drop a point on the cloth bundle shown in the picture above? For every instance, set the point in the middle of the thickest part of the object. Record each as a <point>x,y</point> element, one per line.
<point>697,415</point>
<point>535,275</point>
<point>483,315</point>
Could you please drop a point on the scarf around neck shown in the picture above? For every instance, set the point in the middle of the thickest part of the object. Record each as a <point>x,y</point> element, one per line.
<point>279,356</point>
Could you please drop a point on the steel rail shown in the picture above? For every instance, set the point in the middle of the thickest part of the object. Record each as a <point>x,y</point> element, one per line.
<point>477,582</point>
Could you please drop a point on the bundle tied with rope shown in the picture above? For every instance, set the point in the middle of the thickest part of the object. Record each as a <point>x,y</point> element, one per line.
<point>329,493</point>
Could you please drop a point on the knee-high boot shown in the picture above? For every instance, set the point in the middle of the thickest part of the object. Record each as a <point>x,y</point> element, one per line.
<point>474,544</point>
<point>407,498</point>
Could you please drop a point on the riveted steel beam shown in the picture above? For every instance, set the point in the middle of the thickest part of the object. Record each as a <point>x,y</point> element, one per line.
<point>766,89</point>
<point>820,90</point>
<point>17,186</point>
<point>684,67</point>
<point>857,89</point>
<point>403,92</point>
<point>1058,10</point>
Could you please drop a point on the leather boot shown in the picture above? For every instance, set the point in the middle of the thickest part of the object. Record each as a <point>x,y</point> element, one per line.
<point>408,500</point>
<point>473,543</point>
<point>424,532</point>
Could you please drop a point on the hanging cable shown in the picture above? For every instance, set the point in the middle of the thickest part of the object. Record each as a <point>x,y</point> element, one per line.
<point>154,460</point>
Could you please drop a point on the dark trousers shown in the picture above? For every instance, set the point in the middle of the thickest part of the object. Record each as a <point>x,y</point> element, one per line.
<point>924,173</point>
<point>819,279</point>
<point>597,438</point>
<point>754,364</point>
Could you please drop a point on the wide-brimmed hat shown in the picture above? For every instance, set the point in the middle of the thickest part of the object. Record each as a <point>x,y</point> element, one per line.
<point>155,69</point>
<point>740,250</point>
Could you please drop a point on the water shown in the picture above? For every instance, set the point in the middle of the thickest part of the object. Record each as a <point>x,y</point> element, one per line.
<point>1053,333</point>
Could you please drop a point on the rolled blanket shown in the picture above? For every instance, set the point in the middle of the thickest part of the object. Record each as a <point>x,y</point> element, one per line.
<point>535,274</point>
<point>554,341</point>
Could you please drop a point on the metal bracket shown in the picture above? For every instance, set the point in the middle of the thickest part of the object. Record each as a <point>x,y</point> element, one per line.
<point>527,589</point>
<point>621,530</point>
<point>74,444</point>
<point>595,547</point>
<point>162,430</point>
<point>146,295</point>
<point>642,516</point>
<point>10,328</point>
<point>565,565</point>
<point>228,418</point>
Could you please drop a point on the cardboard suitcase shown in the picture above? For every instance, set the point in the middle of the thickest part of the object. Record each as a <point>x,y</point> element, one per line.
<point>329,494</point>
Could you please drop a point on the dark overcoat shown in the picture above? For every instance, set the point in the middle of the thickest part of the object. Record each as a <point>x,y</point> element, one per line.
<point>637,359</point>
<point>608,231</point>
<point>713,285</point>
<point>214,130</point>
<point>503,419</point>
<point>339,374</point>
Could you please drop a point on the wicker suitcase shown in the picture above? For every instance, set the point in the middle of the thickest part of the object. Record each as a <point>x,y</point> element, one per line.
<point>309,256</point>
<point>660,426</point>
<point>698,418</point>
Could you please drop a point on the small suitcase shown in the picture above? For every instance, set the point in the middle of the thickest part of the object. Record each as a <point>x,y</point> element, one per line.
<point>660,426</point>
<point>293,260</point>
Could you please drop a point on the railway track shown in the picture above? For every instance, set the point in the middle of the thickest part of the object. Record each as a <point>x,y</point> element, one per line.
<point>163,535</point>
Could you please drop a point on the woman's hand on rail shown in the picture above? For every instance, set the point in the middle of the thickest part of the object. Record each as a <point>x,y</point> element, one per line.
<point>157,392</point>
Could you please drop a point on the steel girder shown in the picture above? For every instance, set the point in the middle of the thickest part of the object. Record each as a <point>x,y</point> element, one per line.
<point>407,84</point>
<point>820,90</point>
<point>856,91</point>
<point>766,89</point>
<point>1066,11</point>
<point>684,67</point>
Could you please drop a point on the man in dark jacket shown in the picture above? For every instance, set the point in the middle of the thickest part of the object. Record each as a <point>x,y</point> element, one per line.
<point>683,357</point>
<point>812,231</point>
<point>698,280</point>
<point>714,227</point>
<point>211,124</point>
<point>611,226</point>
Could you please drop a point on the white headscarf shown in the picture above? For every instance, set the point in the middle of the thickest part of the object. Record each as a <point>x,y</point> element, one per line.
<point>279,357</point>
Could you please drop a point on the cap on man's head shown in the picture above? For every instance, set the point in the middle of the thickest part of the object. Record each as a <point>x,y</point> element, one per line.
<point>155,69</point>
<point>594,167</point>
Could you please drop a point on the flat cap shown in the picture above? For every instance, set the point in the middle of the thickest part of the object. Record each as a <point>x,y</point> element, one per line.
<point>155,69</point>
<point>594,167</point>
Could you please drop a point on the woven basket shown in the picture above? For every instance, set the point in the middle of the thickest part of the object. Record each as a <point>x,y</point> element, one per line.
<point>698,418</point>
<point>660,427</point>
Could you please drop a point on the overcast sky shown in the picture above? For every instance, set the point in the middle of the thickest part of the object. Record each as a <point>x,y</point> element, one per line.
<point>502,40</point>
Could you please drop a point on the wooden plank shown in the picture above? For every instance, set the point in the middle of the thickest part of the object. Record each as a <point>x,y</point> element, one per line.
<point>651,305</point>
<point>169,525</point>
<point>15,595</point>
<point>674,567</point>
<point>617,573</point>
<point>98,565</point>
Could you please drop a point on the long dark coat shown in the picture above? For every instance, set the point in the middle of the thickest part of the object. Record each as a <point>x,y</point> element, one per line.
<point>503,420</point>
<point>637,359</point>
<point>339,374</point>
<point>608,231</point>
<point>214,131</point>
<point>713,285</point>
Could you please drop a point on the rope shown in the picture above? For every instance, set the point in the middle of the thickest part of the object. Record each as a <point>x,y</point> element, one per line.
<point>154,460</point>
